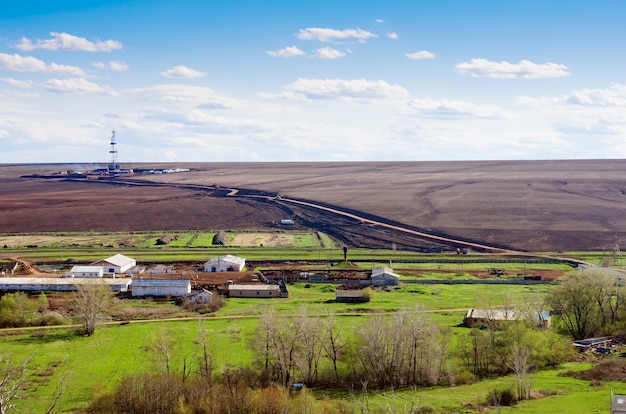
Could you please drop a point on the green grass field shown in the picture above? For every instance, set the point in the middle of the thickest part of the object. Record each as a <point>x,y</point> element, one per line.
<point>84,365</point>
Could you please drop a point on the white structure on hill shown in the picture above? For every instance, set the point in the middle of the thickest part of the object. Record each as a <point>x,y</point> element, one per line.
<point>161,287</point>
<point>384,276</point>
<point>116,264</point>
<point>228,263</point>
<point>86,271</point>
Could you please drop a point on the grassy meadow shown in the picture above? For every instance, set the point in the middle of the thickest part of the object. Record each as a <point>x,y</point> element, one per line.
<point>86,366</point>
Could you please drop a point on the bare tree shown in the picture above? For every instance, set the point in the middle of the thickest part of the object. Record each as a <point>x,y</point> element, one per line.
<point>206,345</point>
<point>311,352</point>
<point>92,304</point>
<point>11,380</point>
<point>333,342</point>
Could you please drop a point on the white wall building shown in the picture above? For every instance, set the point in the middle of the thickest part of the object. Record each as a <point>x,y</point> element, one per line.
<point>384,276</point>
<point>86,271</point>
<point>161,287</point>
<point>228,263</point>
<point>200,296</point>
<point>254,291</point>
<point>45,284</point>
<point>116,264</point>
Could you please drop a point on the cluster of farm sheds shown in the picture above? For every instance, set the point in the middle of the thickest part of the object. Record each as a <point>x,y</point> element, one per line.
<point>223,275</point>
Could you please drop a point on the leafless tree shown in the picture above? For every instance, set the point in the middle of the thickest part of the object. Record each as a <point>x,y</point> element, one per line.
<point>11,380</point>
<point>333,342</point>
<point>311,336</point>
<point>93,302</point>
<point>206,345</point>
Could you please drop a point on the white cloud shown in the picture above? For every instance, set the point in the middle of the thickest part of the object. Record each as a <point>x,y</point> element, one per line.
<point>615,95</point>
<point>289,51</point>
<point>422,54</point>
<point>329,53</point>
<point>64,41</point>
<point>444,108</point>
<point>182,72</point>
<point>525,69</point>
<point>345,88</point>
<point>19,63</point>
<point>74,86</point>
<point>18,83</point>
<point>114,65</point>
<point>392,35</point>
<point>331,35</point>
<point>380,21</point>
<point>183,94</point>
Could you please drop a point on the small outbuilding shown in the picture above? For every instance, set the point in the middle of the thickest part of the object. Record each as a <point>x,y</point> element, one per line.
<point>351,295</point>
<point>254,291</point>
<point>384,276</point>
<point>161,287</point>
<point>227,263</point>
<point>116,264</point>
<point>86,271</point>
<point>482,318</point>
<point>200,296</point>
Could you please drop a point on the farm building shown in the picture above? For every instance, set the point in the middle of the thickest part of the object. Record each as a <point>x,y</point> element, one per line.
<point>200,296</point>
<point>160,269</point>
<point>254,291</point>
<point>161,287</point>
<point>116,264</point>
<point>41,284</point>
<point>228,263</point>
<point>481,318</point>
<point>86,271</point>
<point>384,276</point>
<point>350,295</point>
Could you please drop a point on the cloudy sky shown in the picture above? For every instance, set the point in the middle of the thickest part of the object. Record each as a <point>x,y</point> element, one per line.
<point>324,80</point>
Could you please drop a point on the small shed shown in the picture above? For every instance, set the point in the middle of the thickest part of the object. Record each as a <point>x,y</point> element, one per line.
<point>350,295</point>
<point>200,296</point>
<point>618,403</point>
<point>86,271</point>
<point>227,263</point>
<point>116,264</point>
<point>384,276</point>
<point>161,287</point>
<point>254,291</point>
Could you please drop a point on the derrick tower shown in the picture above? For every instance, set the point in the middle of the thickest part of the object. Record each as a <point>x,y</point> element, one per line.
<point>113,164</point>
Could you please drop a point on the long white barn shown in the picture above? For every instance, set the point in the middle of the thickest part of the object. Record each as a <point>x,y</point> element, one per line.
<point>39,284</point>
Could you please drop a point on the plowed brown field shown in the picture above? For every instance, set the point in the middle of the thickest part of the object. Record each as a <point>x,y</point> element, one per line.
<point>525,205</point>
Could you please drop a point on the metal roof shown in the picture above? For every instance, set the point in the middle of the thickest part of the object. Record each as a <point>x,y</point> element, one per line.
<point>253,287</point>
<point>145,282</point>
<point>87,269</point>
<point>228,258</point>
<point>119,260</point>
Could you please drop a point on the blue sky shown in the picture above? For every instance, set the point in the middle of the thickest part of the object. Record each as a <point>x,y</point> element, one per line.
<point>337,80</point>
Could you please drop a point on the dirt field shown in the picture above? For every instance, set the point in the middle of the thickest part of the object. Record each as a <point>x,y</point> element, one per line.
<point>525,205</point>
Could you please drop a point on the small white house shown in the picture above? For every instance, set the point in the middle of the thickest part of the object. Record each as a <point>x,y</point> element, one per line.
<point>161,287</point>
<point>384,276</point>
<point>200,296</point>
<point>116,264</point>
<point>86,271</point>
<point>228,263</point>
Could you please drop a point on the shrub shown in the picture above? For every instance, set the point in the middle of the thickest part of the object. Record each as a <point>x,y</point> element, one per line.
<point>501,397</point>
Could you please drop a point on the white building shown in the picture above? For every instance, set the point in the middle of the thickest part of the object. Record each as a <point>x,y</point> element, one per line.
<point>384,276</point>
<point>49,284</point>
<point>161,287</point>
<point>200,296</point>
<point>254,291</point>
<point>86,271</point>
<point>228,263</point>
<point>116,264</point>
